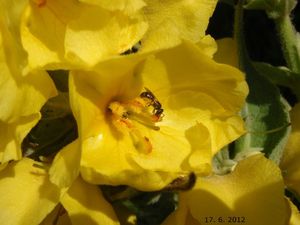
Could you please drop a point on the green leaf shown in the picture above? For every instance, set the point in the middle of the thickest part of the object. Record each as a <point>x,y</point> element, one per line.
<point>150,208</point>
<point>274,8</point>
<point>280,76</point>
<point>266,114</point>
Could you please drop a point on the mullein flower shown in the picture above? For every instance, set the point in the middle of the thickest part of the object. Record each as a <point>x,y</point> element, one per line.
<point>81,34</point>
<point>29,198</point>
<point>252,194</point>
<point>128,7</point>
<point>69,34</point>
<point>23,92</point>
<point>143,120</point>
<point>295,214</point>
<point>27,195</point>
<point>191,19</point>
<point>85,204</point>
<point>290,159</point>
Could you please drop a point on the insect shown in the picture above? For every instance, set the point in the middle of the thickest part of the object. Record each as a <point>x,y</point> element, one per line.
<point>133,50</point>
<point>182,182</point>
<point>157,108</point>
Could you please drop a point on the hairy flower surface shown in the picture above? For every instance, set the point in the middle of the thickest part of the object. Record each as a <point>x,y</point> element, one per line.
<point>252,193</point>
<point>290,159</point>
<point>82,33</point>
<point>22,92</point>
<point>144,120</point>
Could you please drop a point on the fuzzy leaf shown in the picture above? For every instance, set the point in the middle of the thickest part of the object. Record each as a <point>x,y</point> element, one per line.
<point>274,8</point>
<point>266,114</point>
<point>280,76</point>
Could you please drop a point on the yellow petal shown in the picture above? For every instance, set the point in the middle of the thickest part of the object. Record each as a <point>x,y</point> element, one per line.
<point>86,205</point>
<point>22,92</point>
<point>172,21</point>
<point>12,135</point>
<point>194,86</point>
<point>295,214</point>
<point>227,52</point>
<point>58,217</point>
<point>10,16</point>
<point>65,166</point>
<point>27,195</point>
<point>290,159</point>
<point>127,6</point>
<point>19,95</point>
<point>253,192</point>
<point>208,45</point>
<point>44,50</point>
<point>222,88</point>
<point>21,99</point>
<point>82,35</point>
<point>108,34</point>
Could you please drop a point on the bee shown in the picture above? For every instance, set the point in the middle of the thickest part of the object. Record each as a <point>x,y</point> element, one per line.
<point>157,108</point>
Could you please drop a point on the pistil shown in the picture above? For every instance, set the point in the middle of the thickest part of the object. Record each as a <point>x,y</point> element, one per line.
<point>145,110</point>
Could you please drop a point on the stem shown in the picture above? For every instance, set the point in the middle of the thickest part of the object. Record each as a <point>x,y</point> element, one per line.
<point>239,36</point>
<point>288,39</point>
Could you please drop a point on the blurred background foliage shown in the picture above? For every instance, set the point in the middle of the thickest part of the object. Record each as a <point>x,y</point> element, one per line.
<point>261,37</point>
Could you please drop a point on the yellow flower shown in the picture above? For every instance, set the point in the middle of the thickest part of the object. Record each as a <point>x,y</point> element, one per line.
<point>169,21</point>
<point>295,214</point>
<point>86,205</point>
<point>22,92</point>
<point>126,6</point>
<point>252,194</point>
<point>145,120</point>
<point>27,197</point>
<point>68,34</point>
<point>291,156</point>
<point>174,20</point>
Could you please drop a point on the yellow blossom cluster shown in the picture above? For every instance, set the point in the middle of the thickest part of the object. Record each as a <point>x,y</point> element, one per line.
<point>152,102</point>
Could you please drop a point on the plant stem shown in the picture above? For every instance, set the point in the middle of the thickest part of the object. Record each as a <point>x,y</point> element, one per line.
<point>288,39</point>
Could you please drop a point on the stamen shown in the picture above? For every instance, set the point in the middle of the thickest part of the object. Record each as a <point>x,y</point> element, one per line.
<point>140,118</point>
<point>141,143</point>
<point>145,110</point>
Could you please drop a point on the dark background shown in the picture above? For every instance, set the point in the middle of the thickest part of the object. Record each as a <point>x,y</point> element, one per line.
<point>261,37</point>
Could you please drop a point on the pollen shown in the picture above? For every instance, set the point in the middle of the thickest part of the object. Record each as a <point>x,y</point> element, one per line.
<point>145,110</point>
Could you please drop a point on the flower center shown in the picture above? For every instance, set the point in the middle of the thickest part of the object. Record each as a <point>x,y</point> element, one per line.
<point>144,109</point>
